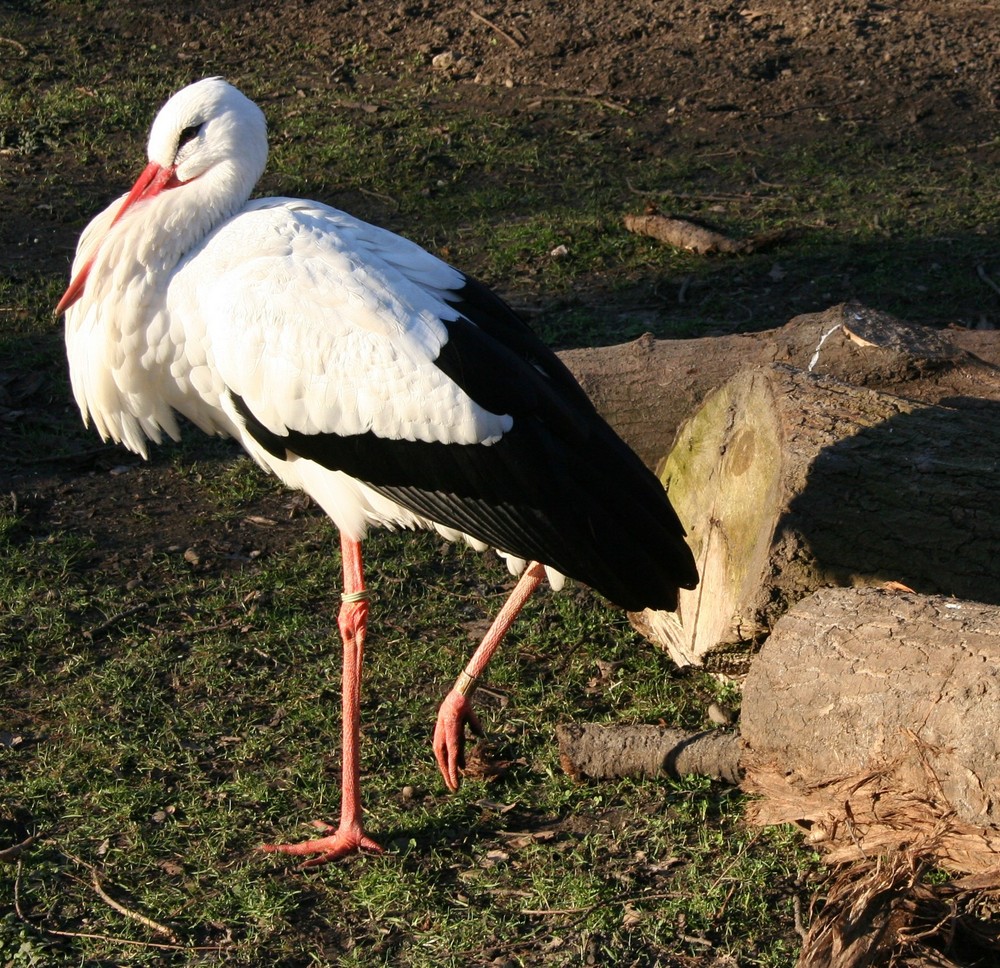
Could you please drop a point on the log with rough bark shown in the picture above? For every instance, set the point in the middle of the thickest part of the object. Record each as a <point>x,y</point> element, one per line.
<point>870,718</point>
<point>788,482</point>
<point>898,688</point>
<point>595,752</point>
<point>647,387</point>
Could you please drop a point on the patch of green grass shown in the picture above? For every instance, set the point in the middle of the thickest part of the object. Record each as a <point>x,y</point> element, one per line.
<point>163,748</point>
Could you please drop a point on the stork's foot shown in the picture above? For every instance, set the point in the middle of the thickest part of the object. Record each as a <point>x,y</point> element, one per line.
<point>345,840</point>
<point>449,736</point>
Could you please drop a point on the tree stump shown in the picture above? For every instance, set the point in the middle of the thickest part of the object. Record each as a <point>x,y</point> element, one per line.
<point>788,482</point>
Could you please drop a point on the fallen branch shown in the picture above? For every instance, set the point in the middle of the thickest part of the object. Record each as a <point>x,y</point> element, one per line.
<point>10,854</point>
<point>95,936</point>
<point>582,99</point>
<point>589,750</point>
<point>646,387</point>
<point>696,238</point>
<point>155,926</point>
<point>513,41</point>
<point>92,633</point>
<point>16,44</point>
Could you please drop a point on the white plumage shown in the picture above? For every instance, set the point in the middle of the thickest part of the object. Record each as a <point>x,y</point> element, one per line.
<point>360,368</point>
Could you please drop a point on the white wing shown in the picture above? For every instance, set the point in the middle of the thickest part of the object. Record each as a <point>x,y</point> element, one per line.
<point>324,324</point>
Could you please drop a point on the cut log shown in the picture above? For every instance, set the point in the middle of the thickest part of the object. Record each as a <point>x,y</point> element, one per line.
<point>870,720</point>
<point>888,702</point>
<point>647,387</point>
<point>788,482</point>
<point>882,708</point>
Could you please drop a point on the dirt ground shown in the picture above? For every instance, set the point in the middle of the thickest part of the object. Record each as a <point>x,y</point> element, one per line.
<point>723,75</point>
<point>726,76</point>
<point>728,72</point>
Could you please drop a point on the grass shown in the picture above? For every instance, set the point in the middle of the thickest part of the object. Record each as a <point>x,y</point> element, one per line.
<point>163,713</point>
<point>164,746</point>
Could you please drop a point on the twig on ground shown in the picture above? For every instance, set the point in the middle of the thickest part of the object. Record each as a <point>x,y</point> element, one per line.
<point>175,945</point>
<point>379,195</point>
<point>92,633</point>
<point>155,926</point>
<point>800,928</point>
<point>503,33</point>
<point>10,854</point>
<point>551,912</point>
<point>732,863</point>
<point>694,196</point>
<point>160,929</point>
<point>583,99</point>
<point>21,49</point>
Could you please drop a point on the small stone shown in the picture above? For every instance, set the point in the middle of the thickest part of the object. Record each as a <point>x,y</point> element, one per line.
<point>720,715</point>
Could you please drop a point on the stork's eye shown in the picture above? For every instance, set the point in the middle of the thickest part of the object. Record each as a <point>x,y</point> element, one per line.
<point>188,134</point>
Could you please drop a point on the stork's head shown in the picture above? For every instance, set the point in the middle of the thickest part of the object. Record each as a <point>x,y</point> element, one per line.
<point>207,148</point>
<point>206,125</point>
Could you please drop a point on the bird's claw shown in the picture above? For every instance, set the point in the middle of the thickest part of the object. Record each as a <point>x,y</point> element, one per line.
<point>344,840</point>
<point>449,736</point>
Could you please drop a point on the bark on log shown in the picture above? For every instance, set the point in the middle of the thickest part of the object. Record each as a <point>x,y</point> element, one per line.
<point>789,482</point>
<point>647,387</point>
<point>859,680</point>
<point>591,751</point>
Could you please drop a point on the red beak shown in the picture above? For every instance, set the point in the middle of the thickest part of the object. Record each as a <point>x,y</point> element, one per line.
<point>153,180</point>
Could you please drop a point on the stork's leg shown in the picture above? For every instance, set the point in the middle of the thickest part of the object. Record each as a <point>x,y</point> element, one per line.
<point>353,619</point>
<point>456,709</point>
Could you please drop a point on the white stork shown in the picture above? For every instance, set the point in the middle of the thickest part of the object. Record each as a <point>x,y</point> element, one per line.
<point>358,367</point>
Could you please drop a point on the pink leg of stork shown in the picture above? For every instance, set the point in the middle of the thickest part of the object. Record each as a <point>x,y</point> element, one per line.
<point>456,709</point>
<point>350,836</point>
